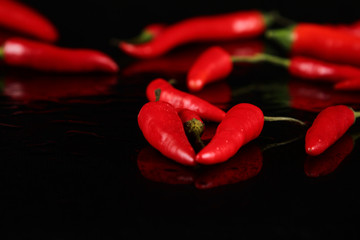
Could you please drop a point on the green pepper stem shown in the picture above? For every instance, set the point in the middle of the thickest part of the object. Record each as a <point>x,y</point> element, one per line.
<point>157,94</point>
<point>261,57</point>
<point>289,119</point>
<point>2,54</point>
<point>356,114</point>
<point>278,144</point>
<point>284,37</point>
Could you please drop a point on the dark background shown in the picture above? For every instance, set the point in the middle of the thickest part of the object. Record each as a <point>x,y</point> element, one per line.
<point>88,187</point>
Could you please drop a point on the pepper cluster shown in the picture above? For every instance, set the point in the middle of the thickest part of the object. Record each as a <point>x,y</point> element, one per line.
<point>173,121</point>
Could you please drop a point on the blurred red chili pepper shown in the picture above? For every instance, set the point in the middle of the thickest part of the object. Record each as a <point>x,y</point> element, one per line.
<point>348,85</point>
<point>237,25</point>
<point>18,17</point>
<point>329,125</point>
<point>328,161</point>
<point>246,164</point>
<point>307,68</point>
<point>163,129</point>
<point>158,168</point>
<point>212,65</point>
<point>320,42</point>
<point>216,63</point>
<point>183,100</point>
<point>29,87</point>
<point>26,53</point>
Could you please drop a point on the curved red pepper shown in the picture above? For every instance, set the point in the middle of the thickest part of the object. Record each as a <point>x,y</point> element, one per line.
<point>242,123</point>
<point>157,168</point>
<point>246,164</point>
<point>320,42</point>
<point>213,64</point>
<point>329,125</point>
<point>348,85</point>
<point>20,18</point>
<point>29,88</point>
<point>244,24</point>
<point>327,162</point>
<point>180,100</point>
<point>26,53</point>
<point>163,129</point>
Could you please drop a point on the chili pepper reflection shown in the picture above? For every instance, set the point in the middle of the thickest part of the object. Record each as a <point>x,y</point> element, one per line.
<point>246,164</point>
<point>156,167</point>
<point>297,94</point>
<point>179,62</point>
<point>36,87</point>
<point>328,161</point>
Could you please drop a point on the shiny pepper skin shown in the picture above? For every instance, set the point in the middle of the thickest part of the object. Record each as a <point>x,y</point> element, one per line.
<point>237,25</point>
<point>180,100</point>
<point>329,125</point>
<point>19,18</point>
<point>40,56</point>
<point>213,64</point>
<point>242,123</point>
<point>163,129</point>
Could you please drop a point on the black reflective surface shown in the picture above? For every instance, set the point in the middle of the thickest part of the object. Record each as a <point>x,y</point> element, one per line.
<point>75,164</point>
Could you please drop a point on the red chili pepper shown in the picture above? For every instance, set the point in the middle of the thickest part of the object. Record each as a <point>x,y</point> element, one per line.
<point>246,164</point>
<point>163,129</point>
<point>326,163</point>
<point>242,123</point>
<point>348,85</point>
<point>29,87</point>
<point>158,168</point>
<point>20,18</point>
<point>216,63</point>
<point>183,100</point>
<point>307,68</point>
<point>237,25</point>
<point>320,42</point>
<point>329,125</point>
<point>26,53</point>
<point>212,65</point>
